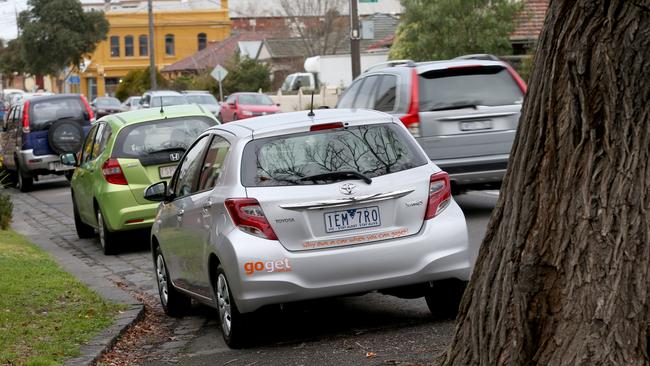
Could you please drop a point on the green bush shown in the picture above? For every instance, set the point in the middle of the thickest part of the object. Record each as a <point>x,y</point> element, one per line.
<point>6,211</point>
<point>136,82</point>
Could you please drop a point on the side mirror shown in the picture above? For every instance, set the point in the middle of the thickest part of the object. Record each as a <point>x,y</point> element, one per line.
<point>156,192</point>
<point>69,159</point>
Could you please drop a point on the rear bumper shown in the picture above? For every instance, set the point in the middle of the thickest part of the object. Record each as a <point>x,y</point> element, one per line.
<point>40,164</point>
<point>475,170</point>
<point>122,212</point>
<point>440,250</point>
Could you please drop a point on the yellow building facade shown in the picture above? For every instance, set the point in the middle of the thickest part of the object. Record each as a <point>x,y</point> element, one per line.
<point>177,34</point>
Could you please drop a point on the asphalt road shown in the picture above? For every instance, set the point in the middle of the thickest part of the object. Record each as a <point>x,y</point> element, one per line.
<point>370,329</point>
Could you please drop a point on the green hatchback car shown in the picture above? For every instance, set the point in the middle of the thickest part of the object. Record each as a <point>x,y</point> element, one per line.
<point>121,156</point>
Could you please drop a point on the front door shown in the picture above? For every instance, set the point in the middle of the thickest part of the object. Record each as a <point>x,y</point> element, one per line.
<point>82,185</point>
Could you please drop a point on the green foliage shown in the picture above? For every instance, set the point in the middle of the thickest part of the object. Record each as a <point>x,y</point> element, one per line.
<point>10,58</point>
<point>444,29</point>
<point>57,33</point>
<point>6,211</point>
<point>136,82</point>
<point>245,74</point>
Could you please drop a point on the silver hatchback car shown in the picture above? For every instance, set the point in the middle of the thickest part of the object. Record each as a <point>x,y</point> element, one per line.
<point>290,207</point>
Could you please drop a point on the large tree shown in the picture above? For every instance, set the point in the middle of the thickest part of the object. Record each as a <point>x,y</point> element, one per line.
<point>58,33</point>
<point>562,277</point>
<point>443,29</point>
<point>319,23</point>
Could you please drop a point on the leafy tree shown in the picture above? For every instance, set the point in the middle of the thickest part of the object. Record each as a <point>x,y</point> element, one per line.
<point>10,58</point>
<point>563,274</point>
<point>245,74</point>
<point>136,82</point>
<point>58,33</point>
<point>443,29</point>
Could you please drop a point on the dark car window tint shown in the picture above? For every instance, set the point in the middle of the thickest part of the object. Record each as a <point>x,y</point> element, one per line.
<point>254,99</point>
<point>44,112</point>
<point>86,154</point>
<point>213,164</point>
<point>372,150</point>
<point>167,100</point>
<point>348,97</point>
<point>366,93</point>
<point>201,99</point>
<point>386,91</point>
<point>104,139</point>
<point>488,85</point>
<point>189,169</point>
<point>162,136</point>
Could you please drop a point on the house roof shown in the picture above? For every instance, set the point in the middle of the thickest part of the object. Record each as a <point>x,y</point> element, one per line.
<point>286,47</point>
<point>215,53</point>
<point>531,20</point>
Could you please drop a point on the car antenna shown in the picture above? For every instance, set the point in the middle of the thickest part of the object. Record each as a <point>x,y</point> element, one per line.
<point>311,107</point>
<point>162,111</point>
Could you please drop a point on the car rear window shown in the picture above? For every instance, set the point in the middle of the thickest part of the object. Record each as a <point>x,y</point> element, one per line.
<point>42,113</point>
<point>201,99</point>
<point>482,85</point>
<point>254,99</point>
<point>372,150</point>
<point>159,136</point>
<point>167,100</point>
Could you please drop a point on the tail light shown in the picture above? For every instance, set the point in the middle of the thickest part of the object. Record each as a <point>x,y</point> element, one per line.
<point>520,82</point>
<point>112,172</point>
<point>439,195</point>
<point>247,215</point>
<point>88,109</point>
<point>26,117</point>
<point>412,118</point>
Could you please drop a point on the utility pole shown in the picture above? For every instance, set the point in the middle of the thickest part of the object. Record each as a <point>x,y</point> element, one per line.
<point>354,39</point>
<point>152,51</point>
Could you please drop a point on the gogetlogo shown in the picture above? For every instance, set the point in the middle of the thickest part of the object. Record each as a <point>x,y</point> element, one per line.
<point>279,265</point>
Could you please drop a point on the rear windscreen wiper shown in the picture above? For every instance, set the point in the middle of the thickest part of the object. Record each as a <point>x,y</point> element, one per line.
<point>334,175</point>
<point>459,105</point>
<point>178,148</point>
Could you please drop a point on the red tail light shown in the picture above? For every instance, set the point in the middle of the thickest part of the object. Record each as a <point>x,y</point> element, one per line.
<point>247,215</point>
<point>439,195</point>
<point>520,82</point>
<point>26,117</point>
<point>326,126</point>
<point>412,118</point>
<point>88,109</point>
<point>113,172</point>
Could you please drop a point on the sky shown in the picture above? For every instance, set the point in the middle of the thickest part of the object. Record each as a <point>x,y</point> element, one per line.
<point>8,10</point>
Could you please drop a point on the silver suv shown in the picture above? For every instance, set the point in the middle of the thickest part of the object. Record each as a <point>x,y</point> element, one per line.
<point>161,98</point>
<point>463,112</point>
<point>289,207</point>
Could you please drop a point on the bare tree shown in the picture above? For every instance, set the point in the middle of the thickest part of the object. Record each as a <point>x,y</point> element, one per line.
<point>319,23</point>
<point>562,277</point>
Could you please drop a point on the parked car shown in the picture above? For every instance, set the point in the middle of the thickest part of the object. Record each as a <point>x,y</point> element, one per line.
<point>121,156</point>
<point>103,106</point>
<point>5,100</point>
<point>205,99</point>
<point>164,98</point>
<point>463,112</point>
<point>290,207</point>
<point>131,103</point>
<point>37,130</point>
<point>246,105</point>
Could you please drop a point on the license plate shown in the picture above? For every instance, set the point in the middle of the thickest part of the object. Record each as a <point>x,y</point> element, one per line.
<point>57,167</point>
<point>475,125</point>
<point>352,219</point>
<point>166,171</point>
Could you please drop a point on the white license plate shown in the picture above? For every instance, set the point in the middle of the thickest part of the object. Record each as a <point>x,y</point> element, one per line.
<point>166,171</point>
<point>57,167</point>
<point>475,125</point>
<point>351,219</point>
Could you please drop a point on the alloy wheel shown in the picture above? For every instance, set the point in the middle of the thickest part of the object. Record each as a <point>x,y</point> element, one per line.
<point>223,301</point>
<point>161,274</point>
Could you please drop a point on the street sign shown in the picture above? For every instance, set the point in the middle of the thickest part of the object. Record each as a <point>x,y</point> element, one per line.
<point>74,79</point>
<point>219,73</point>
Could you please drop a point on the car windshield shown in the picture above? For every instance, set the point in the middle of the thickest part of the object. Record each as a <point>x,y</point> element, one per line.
<point>467,87</point>
<point>43,112</point>
<point>363,151</point>
<point>254,99</point>
<point>160,135</point>
<point>107,102</point>
<point>201,99</point>
<point>167,100</point>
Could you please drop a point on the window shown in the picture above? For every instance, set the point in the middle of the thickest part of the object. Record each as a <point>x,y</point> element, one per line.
<point>189,169</point>
<point>385,97</point>
<point>144,47</point>
<point>86,151</point>
<point>97,141</point>
<point>348,97</point>
<point>128,46</point>
<point>366,93</point>
<point>169,44</point>
<point>115,46</point>
<point>203,40</point>
<point>213,164</point>
<point>103,134</point>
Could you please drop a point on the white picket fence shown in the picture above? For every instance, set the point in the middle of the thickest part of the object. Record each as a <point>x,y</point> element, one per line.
<point>301,101</point>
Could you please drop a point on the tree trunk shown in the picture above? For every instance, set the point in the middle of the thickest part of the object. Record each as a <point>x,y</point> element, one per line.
<point>562,277</point>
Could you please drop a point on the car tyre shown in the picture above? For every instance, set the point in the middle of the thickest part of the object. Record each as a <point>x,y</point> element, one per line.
<point>84,231</point>
<point>106,237</point>
<point>23,183</point>
<point>174,303</point>
<point>233,323</point>
<point>443,298</point>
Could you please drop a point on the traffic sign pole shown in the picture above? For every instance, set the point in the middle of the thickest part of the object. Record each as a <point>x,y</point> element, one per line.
<point>220,92</point>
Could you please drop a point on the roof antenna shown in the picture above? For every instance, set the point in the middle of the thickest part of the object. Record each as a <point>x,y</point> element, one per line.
<point>311,107</point>
<point>162,111</point>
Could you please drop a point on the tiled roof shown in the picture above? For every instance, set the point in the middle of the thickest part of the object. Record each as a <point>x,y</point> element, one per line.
<point>215,53</point>
<point>286,47</point>
<point>530,20</point>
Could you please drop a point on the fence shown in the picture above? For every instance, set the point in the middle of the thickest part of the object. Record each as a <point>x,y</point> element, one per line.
<point>299,102</point>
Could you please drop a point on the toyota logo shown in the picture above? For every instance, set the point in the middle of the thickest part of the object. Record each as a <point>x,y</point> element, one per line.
<point>348,188</point>
<point>175,156</point>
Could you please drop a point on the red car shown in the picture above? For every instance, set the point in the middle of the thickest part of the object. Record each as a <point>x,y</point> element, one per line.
<point>246,105</point>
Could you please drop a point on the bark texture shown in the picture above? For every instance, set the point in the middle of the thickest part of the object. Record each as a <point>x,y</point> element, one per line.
<point>562,277</point>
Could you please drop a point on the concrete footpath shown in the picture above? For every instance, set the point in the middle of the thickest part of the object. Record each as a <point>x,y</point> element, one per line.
<point>53,231</point>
